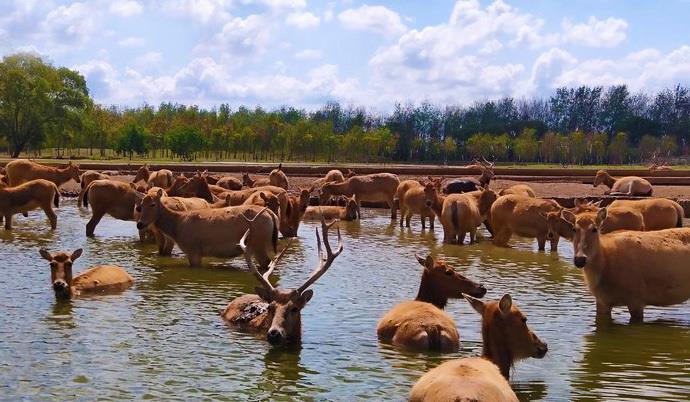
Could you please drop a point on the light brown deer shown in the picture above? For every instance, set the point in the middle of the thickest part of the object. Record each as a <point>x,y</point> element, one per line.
<point>506,339</point>
<point>85,179</point>
<point>229,183</point>
<point>161,178</point>
<point>520,189</point>
<point>412,200</point>
<point>349,212</point>
<point>657,213</point>
<point>273,311</point>
<point>247,181</point>
<point>523,216</point>
<point>28,196</point>
<point>460,213</point>
<point>266,199</point>
<point>278,178</point>
<point>632,269</point>
<point>100,278</point>
<point>212,232</point>
<point>115,198</point>
<point>291,215</point>
<point>372,187</point>
<point>629,185</point>
<point>22,170</point>
<point>422,324</point>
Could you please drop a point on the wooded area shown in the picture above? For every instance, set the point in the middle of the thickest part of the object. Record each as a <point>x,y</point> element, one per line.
<point>47,107</point>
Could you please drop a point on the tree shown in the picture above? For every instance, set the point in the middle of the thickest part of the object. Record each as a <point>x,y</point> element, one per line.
<point>526,146</point>
<point>132,139</point>
<point>185,142</point>
<point>619,149</point>
<point>34,94</point>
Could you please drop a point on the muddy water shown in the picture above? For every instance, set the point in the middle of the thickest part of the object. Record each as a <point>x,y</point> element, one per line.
<point>163,338</point>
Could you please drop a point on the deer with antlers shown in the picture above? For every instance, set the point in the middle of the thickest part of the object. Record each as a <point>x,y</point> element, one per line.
<point>274,311</point>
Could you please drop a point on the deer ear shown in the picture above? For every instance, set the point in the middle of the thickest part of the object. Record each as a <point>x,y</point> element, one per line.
<point>159,193</point>
<point>45,254</point>
<point>421,260</point>
<point>133,186</point>
<point>601,216</point>
<point>568,216</point>
<point>476,304</point>
<point>263,196</point>
<point>265,294</point>
<point>305,296</point>
<point>76,254</point>
<point>505,304</point>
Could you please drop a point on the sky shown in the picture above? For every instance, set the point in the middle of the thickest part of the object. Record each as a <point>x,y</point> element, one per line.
<point>375,53</point>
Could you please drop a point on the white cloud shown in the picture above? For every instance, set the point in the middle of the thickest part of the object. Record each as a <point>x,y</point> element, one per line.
<point>240,37</point>
<point>132,41</point>
<point>203,11</point>
<point>308,54</point>
<point>126,8</point>
<point>377,19</point>
<point>302,20</point>
<point>72,24</point>
<point>595,33</point>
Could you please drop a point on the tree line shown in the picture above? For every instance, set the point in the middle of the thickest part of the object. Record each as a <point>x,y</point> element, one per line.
<point>48,107</point>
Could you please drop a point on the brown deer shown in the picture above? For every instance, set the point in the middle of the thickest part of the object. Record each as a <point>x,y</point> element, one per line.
<point>349,212</point>
<point>632,269</point>
<point>657,213</point>
<point>519,189</point>
<point>212,232</point>
<point>266,199</point>
<point>372,187</point>
<point>101,278</point>
<point>506,339</point>
<point>85,179</point>
<point>161,178</point>
<point>229,183</point>
<point>523,216</point>
<point>460,213</point>
<point>273,311</point>
<point>247,181</point>
<point>291,215</point>
<point>115,198</point>
<point>28,196</point>
<point>629,185</point>
<point>278,178</point>
<point>22,170</point>
<point>422,324</point>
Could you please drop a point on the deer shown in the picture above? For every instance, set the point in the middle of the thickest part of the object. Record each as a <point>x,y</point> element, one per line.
<point>161,178</point>
<point>421,324</point>
<point>100,278</point>
<point>38,193</point>
<point>115,198</point>
<point>273,311</point>
<point>629,268</point>
<point>411,200</point>
<point>278,178</point>
<point>229,183</point>
<point>291,215</point>
<point>247,181</point>
<point>85,179</point>
<point>629,185</point>
<point>212,232</point>
<point>523,216</point>
<point>349,212</point>
<point>22,170</point>
<point>519,189</point>
<point>372,187</point>
<point>657,213</point>
<point>506,338</point>
<point>469,184</point>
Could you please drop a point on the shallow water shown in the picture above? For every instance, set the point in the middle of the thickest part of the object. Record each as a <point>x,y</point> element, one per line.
<point>163,338</point>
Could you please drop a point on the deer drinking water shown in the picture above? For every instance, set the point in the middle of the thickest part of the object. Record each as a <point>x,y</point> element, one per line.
<point>277,312</point>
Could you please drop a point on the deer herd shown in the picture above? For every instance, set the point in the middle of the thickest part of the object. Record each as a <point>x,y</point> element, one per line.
<point>633,253</point>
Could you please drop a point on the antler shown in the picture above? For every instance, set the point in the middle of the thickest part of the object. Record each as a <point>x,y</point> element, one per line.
<point>489,164</point>
<point>330,255</point>
<point>271,266</point>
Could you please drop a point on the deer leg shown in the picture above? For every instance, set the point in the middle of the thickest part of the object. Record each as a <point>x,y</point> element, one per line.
<point>636,314</point>
<point>52,217</point>
<point>541,242</point>
<point>402,215</point>
<point>394,211</point>
<point>423,218</point>
<point>432,218</point>
<point>461,238</point>
<point>91,224</point>
<point>603,312</point>
<point>473,235</point>
<point>8,221</point>
<point>194,259</point>
<point>408,218</point>
<point>554,244</point>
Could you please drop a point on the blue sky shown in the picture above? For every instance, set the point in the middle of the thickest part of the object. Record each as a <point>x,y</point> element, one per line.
<point>373,53</point>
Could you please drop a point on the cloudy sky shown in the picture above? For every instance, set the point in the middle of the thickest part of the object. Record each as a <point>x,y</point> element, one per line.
<point>374,53</point>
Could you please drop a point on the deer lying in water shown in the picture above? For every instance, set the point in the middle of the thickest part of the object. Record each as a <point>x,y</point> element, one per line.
<point>85,179</point>
<point>629,185</point>
<point>469,184</point>
<point>632,269</point>
<point>422,324</point>
<point>519,189</point>
<point>506,338</point>
<point>161,178</point>
<point>412,200</point>
<point>22,170</point>
<point>372,187</point>
<point>100,278</point>
<point>460,213</point>
<point>28,196</point>
<point>349,212</point>
<point>212,232</point>
<point>273,311</point>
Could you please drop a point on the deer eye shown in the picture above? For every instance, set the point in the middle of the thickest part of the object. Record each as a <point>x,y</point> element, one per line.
<point>594,230</point>
<point>294,310</point>
<point>53,264</point>
<point>524,320</point>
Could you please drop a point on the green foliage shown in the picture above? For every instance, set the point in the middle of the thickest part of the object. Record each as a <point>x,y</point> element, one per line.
<point>185,142</point>
<point>35,97</point>
<point>526,145</point>
<point>132,139</point>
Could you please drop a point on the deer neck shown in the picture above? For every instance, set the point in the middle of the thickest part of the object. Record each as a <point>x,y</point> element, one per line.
<point>59,176</point>
<point>437,203</point>
<point>565,230</point>
<point>609,181</point>
<point>167,220</point>
<point>484,179</point>
<point>496,351</point>
<point>429,294</point>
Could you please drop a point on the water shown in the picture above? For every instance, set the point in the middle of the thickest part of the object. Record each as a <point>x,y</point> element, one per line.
<point>163,338</point>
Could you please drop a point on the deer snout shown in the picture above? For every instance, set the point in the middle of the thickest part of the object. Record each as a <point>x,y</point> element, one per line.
<point>140,225</point>
<point>541,351</point>
<point>275,336</point>
<point>428,204</point>
<point>480,291</point>
<point>59,285</point>
<point>549,236</point>
<point>580,261</point>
